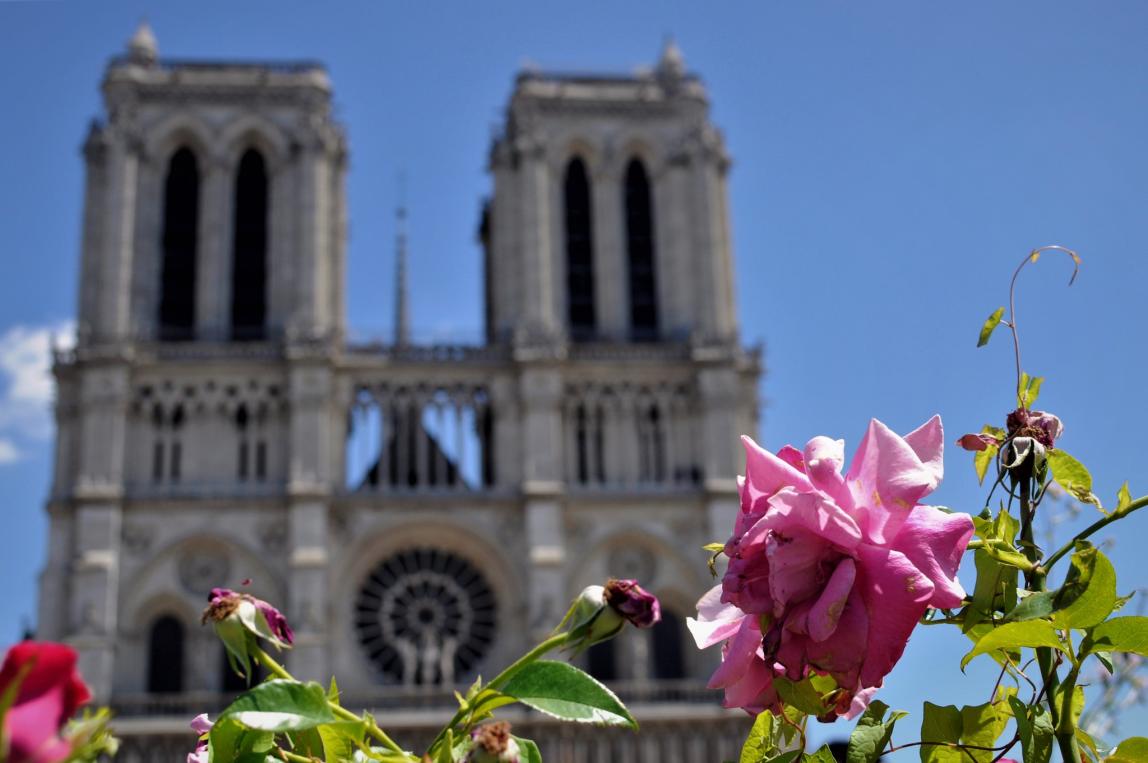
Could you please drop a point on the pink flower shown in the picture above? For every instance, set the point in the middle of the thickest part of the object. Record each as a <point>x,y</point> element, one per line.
<point>632,602</point>
<point>224,603</point>
<point>828,574</point>
<point>50,691</point>
<point>200,725</point>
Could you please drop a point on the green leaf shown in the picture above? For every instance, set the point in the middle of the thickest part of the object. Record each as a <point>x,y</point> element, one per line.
<point>823,755</point>
<point>940,724</point>
<point>713,548</point>
<point>1087,743</point>
<point>1071,475</point>
<point>785,757</point>
<point>1032,607</point>
<point>1120,634</point>
<point>1029,390</point>
<point>527,751</point>
<point>280,705</point>
<point>807,695</point>
<point>1032,633</point>
<point>1089,591</point>
<point>871,736</point>
<point>228,740</point>
<point>341,738</point>
<point>1123,498</point>
<point>1034,727</point>
<point>565,692</point>
<point>333,692</point>
<point>759,744</point>
<point>980,727</point>
<point>989,326</point>
<point>1133,750</point>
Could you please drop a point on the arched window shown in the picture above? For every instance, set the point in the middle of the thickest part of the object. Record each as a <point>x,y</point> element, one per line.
<point>249,249</point>
<point>579,252</point>
<point>180,239</point>
<point>667,657</point>
<point>165,656</point>
<point>640,254</point>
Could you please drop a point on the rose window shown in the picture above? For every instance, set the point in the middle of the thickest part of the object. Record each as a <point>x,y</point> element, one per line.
<point>424,616</point>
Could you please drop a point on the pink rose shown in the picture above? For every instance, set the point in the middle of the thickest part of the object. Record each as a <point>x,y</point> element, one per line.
<point>50,691</point>
<point>828,574</point>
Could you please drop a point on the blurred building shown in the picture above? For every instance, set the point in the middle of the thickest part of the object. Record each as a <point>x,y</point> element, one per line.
<point>421,512</point>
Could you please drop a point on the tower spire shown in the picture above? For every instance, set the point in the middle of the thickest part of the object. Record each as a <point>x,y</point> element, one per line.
<point>402,325</point>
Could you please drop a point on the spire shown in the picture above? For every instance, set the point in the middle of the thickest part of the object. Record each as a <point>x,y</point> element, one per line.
<point>142,47</point>
<point>402,325</point>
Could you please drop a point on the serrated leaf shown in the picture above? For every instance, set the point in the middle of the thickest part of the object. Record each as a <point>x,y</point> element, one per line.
<point>871,736</point>
<point>1031,633</point>
<point>280,705</point>
<point>980,727</point>
<point>1032,607</point>
<point>1089,591</point>
<point>565,692</point>
<point>1120,634</point>
<point>990,326</point>
<point>982,459</point>
<point>1132,750</point>
<point>1071,475</point>
<point>807,695</point>
<point>341,738</point>
<point>759,744</point>
<point>228,741</point>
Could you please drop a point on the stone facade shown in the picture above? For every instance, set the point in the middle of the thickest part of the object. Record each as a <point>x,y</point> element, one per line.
<point>420,512</point>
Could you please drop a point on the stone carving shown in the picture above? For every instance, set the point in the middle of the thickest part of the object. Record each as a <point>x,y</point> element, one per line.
<point>200,569</point>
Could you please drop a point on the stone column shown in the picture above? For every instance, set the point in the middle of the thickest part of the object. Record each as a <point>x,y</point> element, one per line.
<point>539,306</point>
<point>611,260</point>
<point>214,264</point>
<point>719,390</point>
<point>540,391</point>
<point>309,310</point>
<point>115,258</point>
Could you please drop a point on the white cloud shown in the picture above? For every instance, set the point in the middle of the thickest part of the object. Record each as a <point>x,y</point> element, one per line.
<point>26,385</point>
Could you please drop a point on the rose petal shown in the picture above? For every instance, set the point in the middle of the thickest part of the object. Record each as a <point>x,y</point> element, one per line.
<point>814,512</point>
<point>896,594</point>
<point>766,473</point>
<point>934,542</point>
<point>716,621</point>
<point>824,458</point>
<point>830,605</point>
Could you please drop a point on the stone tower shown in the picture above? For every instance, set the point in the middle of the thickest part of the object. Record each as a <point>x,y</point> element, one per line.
<point>420,511</point>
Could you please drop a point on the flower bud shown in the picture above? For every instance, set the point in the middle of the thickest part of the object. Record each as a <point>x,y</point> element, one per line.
<point>590,611</point>
<point>255,615</point>
<point>492,743</point>
<point>200,725</point>
<point>1043,427</point>
<point>632,602</point>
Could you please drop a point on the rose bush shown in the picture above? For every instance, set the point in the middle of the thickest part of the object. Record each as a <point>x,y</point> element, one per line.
<point>48,692</point>
<point>828,574</point>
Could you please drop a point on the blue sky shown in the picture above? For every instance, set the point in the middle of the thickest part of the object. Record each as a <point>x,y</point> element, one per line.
<point>893,162</point>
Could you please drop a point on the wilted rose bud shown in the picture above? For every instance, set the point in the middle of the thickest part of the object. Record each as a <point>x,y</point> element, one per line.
<point>254,614</point>
<point>492,743</point>
<point>1043,427</point>
<point>632,602</point>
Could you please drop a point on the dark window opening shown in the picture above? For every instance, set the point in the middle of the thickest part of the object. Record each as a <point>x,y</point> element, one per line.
<point>157,462</point>
<point>249,250</point>
<point>667,655</point>
<point>582,445</point>
<point>601,661</point>
<point>579,253</point>
<point>179,245</point>
<point>165,656</point>
<point>260,460</point>
<point>640,254</point>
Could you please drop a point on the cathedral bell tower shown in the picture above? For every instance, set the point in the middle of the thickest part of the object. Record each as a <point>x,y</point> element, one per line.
<point>211,290</point>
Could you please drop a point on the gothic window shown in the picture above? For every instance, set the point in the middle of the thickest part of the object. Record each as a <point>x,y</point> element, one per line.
<point>601,660</point>
<point>251,433</point>
<point>582,444</point>
<point>165,656</point>
<point>175,465</point>
<point>640,254</point>
<point>244,445</point>
<point>249,250</point>
<point>425,617</point>
<point>157,448</point>
<point>652,444</point>
<point>579,252</point>
<point>666,655</point>
<point>179,245</point>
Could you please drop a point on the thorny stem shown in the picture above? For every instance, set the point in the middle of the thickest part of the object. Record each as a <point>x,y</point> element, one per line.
<point>1032,256</point>
<point>373,729</point>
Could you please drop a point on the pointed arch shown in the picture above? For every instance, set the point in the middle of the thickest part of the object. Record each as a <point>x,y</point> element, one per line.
<point>640,253</point>
<point>180,245</point>
<point>249,249</point>
<point>579,251</point>
<point>165,655</point>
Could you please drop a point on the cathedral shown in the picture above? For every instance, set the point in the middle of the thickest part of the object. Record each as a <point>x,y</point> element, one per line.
<point>422,512</point>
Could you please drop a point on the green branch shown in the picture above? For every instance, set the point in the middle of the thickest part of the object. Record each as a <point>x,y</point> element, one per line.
<point>1099,524</point>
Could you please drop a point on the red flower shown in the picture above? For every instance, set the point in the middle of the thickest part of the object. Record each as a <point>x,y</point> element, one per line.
<point>50,692</point>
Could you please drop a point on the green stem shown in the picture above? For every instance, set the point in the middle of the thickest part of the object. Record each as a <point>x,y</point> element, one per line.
<point>1099,524</point>
<point>502,678</point>
<point>291,756</point>
<point>373,729</point>
<point>1035,581</point>
<point>1066,728</point>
